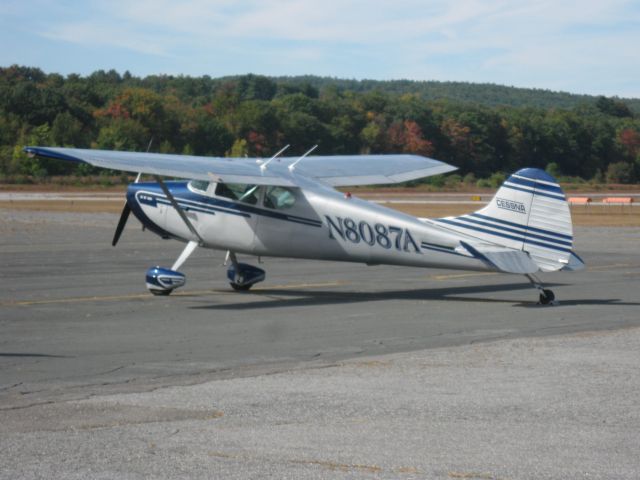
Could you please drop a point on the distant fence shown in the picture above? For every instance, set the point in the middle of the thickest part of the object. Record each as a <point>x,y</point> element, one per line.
<point>605,201</point>
<point>579,200</point>
<point>618,200</point>
<point>609,203</point>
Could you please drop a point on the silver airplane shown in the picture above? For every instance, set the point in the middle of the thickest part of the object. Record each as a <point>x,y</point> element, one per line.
<point>287,207</point>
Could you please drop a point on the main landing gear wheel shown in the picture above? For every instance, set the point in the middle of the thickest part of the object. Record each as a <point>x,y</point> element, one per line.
<point>242,276</point>
<point>547,297</point>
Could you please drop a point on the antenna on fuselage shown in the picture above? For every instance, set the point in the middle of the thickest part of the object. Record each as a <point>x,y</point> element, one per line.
<point>293,165</point>
<point>263,167</point>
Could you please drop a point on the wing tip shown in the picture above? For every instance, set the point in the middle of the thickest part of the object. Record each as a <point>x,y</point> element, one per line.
<point>47,152</point>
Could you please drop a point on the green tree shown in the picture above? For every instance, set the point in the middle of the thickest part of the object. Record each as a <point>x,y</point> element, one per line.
<point>239,149</point>
<point>620,172</point>
<point>255,87</point>
<point>612,107</point>
<point>373,138</point>
<point>156,114</point>
<point>123,134</point>
<point>68,131</point>
<point>205,134</point>
<point>553,169</point>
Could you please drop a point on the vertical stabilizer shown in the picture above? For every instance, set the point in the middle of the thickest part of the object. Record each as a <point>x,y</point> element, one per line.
<point>529,213</point>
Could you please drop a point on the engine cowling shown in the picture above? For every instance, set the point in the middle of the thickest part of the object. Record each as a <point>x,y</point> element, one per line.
<point>162,281</point>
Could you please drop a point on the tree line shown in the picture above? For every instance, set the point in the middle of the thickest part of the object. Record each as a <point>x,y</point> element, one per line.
<point>251,115</point>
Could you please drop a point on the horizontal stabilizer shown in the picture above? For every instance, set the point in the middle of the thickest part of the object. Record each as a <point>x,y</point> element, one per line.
<point>502,259</point>
<point>575,264</point>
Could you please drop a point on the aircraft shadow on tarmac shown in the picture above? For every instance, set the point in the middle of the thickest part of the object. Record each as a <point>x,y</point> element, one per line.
<point>301,297</point>
<point>31,355</point>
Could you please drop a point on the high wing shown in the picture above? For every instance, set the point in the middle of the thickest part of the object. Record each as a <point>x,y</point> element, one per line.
<point>339,170</point>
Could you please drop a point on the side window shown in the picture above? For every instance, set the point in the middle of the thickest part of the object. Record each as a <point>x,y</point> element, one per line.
<point>238,191</point>
<point>200,185</point>
<point>279,198</point>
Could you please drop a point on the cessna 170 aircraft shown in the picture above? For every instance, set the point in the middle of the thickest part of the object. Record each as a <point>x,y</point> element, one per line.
<point>287,207</point>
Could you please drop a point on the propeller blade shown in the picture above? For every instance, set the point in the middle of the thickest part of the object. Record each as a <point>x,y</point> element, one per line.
<point>121,223</point>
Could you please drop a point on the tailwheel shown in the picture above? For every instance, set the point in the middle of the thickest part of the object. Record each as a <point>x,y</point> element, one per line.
<point>547,297</point>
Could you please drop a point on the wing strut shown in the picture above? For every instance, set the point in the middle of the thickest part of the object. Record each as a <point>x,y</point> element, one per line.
<point>263,167</point>
<point>175,205</point>
<point>293,165</point>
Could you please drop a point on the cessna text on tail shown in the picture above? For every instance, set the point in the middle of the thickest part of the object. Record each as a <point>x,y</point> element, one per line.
<point>287,207</point>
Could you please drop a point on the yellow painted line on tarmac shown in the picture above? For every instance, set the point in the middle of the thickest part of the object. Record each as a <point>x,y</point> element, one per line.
<point>459,275</point>
<point>142,296</point>
<point>612,266</point>
<point>23,303</point>
<point>292,286</point>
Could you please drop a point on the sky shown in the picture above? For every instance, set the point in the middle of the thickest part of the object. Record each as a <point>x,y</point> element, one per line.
<point>577,46</point>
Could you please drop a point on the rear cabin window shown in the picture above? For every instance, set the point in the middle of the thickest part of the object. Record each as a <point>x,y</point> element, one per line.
<point>279,198</point>
<point>238,191</point>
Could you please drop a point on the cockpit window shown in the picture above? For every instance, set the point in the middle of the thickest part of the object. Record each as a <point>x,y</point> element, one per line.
<point>279,198</point>
<point>238,191</point>
<point>200,185</point>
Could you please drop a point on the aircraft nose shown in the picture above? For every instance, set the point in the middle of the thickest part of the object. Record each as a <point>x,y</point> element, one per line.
<point>132,189</point>
<point>144,199</point>
<point>142,193</point>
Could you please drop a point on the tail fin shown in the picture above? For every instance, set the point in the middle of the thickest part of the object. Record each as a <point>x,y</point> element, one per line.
<point>529,213</point>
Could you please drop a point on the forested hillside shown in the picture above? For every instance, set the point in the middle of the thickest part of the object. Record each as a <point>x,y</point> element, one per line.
<point>484,94</point>
<point>482,129</point>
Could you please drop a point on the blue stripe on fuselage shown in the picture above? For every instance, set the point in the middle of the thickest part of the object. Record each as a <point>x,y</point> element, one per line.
<point>191,201</point>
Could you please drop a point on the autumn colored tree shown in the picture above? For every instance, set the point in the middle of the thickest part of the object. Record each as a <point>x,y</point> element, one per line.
<point>407,137</point>
<point>629,140</point>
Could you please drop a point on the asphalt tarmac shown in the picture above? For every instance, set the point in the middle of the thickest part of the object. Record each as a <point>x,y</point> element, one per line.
<point>77,323</point>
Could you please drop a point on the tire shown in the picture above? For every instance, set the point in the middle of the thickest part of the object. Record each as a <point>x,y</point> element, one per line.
<point>546,297</point>
<point>161,293</point>
<point>240,288</point>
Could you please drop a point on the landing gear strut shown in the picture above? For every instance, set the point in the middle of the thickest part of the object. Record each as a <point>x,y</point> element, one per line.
<point>546,296</point>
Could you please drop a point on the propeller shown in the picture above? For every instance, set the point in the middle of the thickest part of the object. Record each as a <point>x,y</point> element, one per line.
<point>124,216</point>
<point>121,223</point>
<point>126,210</point>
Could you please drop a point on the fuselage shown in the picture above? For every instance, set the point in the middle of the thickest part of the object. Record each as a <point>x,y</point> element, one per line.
<point>297,223</point>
